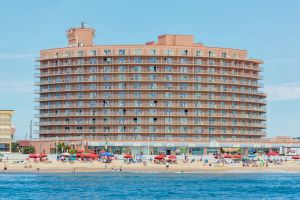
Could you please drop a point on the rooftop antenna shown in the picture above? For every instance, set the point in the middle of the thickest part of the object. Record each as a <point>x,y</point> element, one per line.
<point>83,25</point>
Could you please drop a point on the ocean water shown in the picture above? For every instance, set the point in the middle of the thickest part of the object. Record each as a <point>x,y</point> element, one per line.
<point>149,186</point>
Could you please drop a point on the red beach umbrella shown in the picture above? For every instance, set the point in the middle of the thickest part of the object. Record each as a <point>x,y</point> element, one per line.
<point>172,157</point>
<point>42,155</point>
<point>273,153</point>
<point>127,156</point>
<point>163,155</point>
<point>237,156</point>
<point>160,157</point>
<point>102,151</point>
<point>227,156</point>
<point>94,156</point>
<point>296,157</point>
<point>80,151</point>
<point>33,156</point>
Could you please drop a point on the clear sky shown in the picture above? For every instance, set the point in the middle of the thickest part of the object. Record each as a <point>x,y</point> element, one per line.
<point>269,30</point>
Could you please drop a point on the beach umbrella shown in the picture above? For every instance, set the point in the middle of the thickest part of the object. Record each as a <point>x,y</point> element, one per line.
<point>227,156</point>
<point>272,154</point>
<point>163,155</point>
<point>251,156</point>
<point>33,156</point>
<point>102,151</point>
<point>127,156</point>
<point>172,157</point>
<point>65,154</point>
<point>237,156</point>
<point>80,151</point>
<point>296,157</point>
<point>42,155</point>
<point>107,154</point>
<point>160,157</point>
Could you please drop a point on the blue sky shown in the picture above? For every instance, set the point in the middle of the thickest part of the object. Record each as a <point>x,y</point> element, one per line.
<point>269,30</point>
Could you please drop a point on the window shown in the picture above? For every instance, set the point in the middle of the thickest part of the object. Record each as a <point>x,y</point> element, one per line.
<point>168,60</point>
<point>107,69</point>
<point>152,77</point>
<point>168,68</point>
<point>152,68</point>
<point>211,53</point>
<point>169,86</point>
<point>152,51</point>
<point>153,86</point>
<point>183,120</point>
<point>168,77</point>
<point>168,120</point>
<point>137,60</point>
<point>137,52</point>
<point>153,95</point>
<point>122,68</point>
<point>121,51</point>
<point>152,111</point>
<point>137,68</point>
<point>93,52</point>
<point>153,60</point>
<point>107,52</point>
<point>168,103</point>
<point>183,69</point>
<point>199,53</point>
<point>224,54</point>
<point>122,60</point>
<point>184,52</point>
<point>168,52</point>
<point>168,94</point>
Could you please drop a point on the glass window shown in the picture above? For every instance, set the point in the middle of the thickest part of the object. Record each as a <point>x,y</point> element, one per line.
<point>121,51</point>
<point>137,68</point>
<point>153,60</point>
<point>122,60</point>
<point>107,52</point>
<point>137,52</point>
<point>169,52</point>
<point>183,69</point>
<point>152,51</point>
<point>199,53</point>
<point>152,68</point>
<point>168,94</point>
<point>184,52</point>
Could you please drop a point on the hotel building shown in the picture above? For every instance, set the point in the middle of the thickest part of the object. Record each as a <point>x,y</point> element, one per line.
<point>6,130</point>
<point>153,97</point>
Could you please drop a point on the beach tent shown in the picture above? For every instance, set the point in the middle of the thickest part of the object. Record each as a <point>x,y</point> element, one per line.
<point>272,154</point>
<point>65,154</point>
<point>107,154</point>
<point>127,156</point>
<point>160,157</point>
<point>33,156</point>
<point>172,157</point>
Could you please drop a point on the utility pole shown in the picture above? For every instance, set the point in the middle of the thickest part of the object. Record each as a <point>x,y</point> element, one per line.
<point>30,136</point>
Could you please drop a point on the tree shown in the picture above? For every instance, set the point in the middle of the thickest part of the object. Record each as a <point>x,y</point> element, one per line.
<point>14,147</point>
<point>28,150</point>
<point>72,151</point>
<point>60,147</point>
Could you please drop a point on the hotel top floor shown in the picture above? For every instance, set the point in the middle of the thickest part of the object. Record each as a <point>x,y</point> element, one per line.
<point>81,44</point>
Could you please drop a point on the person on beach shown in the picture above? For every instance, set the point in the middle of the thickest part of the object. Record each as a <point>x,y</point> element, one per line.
<point>121,168</point>
<point>167,165</point>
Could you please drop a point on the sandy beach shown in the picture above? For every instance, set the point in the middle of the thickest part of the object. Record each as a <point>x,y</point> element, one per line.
<point>180,167</point>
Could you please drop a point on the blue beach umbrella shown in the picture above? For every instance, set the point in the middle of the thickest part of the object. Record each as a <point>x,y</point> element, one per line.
<point>107,154</point>
<point>251,156</point>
